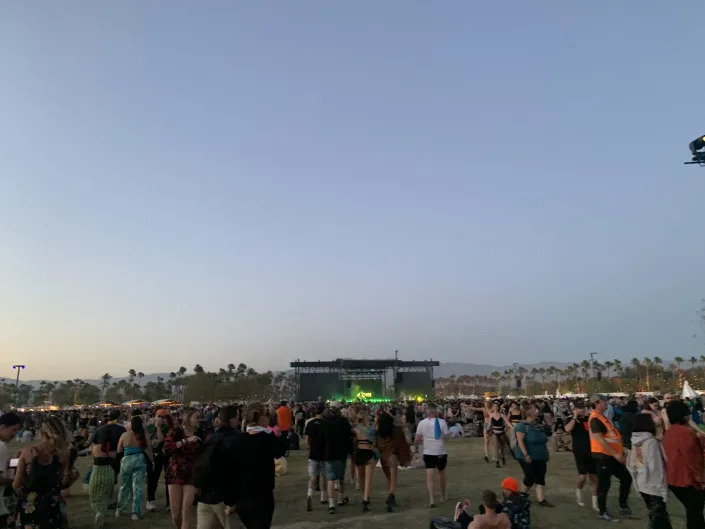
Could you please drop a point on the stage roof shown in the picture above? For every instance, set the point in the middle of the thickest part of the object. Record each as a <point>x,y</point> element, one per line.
<point>349,363</point>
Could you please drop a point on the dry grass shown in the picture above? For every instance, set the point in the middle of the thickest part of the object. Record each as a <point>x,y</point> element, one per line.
<point>468,475</point>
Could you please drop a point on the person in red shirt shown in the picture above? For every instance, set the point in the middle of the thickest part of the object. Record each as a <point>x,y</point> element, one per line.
<point>685,465</point>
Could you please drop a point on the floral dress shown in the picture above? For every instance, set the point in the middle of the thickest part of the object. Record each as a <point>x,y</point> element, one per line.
<point>41,505</point>
<point>179,470</point>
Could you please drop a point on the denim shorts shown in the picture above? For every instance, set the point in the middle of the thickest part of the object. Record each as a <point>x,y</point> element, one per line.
<point>316,468</point>
<point>335,470</point>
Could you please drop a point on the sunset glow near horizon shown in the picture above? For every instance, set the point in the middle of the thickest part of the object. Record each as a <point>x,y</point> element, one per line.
<point>259,183</point>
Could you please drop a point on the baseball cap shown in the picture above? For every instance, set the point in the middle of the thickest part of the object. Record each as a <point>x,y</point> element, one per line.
<point>510,484</point>
<point>162,412</point>
<point>320,406</point>
<point>596,397</point>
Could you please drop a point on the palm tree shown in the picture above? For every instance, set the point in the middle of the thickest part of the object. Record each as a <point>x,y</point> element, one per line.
<point>636,363</point>
<point>231,371</point>
<point>608,367</point>
<point>132,374</point>
<point>678,360</point>
<point>647,363</point>
<point>618,366</point>
<point>198,369</point>
<point>585,365</point>
<point>182,371</point>
<point>140,376</point>
<point>105,382</point>
<point>692,361</point>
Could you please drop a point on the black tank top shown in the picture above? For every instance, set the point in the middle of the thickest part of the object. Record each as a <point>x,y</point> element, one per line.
<point>497,425</point>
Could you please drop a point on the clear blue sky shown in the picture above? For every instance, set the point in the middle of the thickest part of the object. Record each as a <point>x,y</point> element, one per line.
<point>266,181</point>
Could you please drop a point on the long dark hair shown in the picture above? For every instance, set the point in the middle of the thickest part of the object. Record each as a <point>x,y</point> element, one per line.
<point>644,422</point>
<point>385,426</point>
<point>138,429</point>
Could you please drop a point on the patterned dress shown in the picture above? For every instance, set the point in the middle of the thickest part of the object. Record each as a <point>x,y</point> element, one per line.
<point>41,505</point>
<point>179,470</point>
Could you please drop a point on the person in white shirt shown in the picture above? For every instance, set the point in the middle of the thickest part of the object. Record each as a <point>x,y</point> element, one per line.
<point>9,426</point>
<point>433,431</point>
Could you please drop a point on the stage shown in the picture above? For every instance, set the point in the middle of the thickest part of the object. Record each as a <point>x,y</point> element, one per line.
<point>363,380</point>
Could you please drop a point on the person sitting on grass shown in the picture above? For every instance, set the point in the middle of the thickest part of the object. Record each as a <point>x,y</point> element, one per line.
<point>516,505</point>
<point>490,518</point>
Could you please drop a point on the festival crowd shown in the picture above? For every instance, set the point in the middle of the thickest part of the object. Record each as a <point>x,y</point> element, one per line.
<point>218,463</point>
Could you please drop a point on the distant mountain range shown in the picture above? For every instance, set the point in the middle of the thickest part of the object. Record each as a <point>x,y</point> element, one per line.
<point>446,369</point>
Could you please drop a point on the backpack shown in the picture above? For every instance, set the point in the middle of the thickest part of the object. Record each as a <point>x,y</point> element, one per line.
<point>205,471</point>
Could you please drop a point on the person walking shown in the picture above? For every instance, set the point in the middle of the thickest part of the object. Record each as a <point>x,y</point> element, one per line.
<point>365,456</point>
<point>157,428</point>
<point>316,455</point>
<point>9,426</point>
<point>432,432</point>
<point>498,427</point>
<point>685,467</point>
<point>394,452</point>
<point>646,464</point>
<point>41,471</point>
<point>136,449</point>
<point>254,454</point>
<point>577,426</point>
<point>338,437</point>
<point>531,451</point>
<point>181,446</point>
<point>214,472</point>
<point>104,442</point>
<point>607,451</point>
<point>285,421</point>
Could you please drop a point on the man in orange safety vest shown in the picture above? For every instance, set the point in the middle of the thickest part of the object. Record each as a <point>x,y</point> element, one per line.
<point>608,453</point>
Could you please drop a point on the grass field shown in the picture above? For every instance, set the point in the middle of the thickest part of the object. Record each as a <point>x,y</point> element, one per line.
<point>468,476</point>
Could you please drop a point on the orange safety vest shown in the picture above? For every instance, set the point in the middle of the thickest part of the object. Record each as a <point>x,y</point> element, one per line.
<point>613,437</point>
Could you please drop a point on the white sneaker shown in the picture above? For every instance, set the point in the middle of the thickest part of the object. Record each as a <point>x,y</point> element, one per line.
<point>151,506</point>
<point>135,518</point>
<point>579,497</point>
<point>117,514</point>
<point>99,521</point>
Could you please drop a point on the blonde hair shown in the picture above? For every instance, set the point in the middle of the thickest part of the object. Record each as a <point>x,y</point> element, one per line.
<point>254,413</point>
<point>56,434</point>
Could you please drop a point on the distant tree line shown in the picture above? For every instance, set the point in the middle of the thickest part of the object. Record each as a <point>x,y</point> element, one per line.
<point>640,374</point>
<point>227,384</point>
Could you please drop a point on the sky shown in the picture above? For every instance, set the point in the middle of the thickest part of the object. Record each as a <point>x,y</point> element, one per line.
<point>261,182</point>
